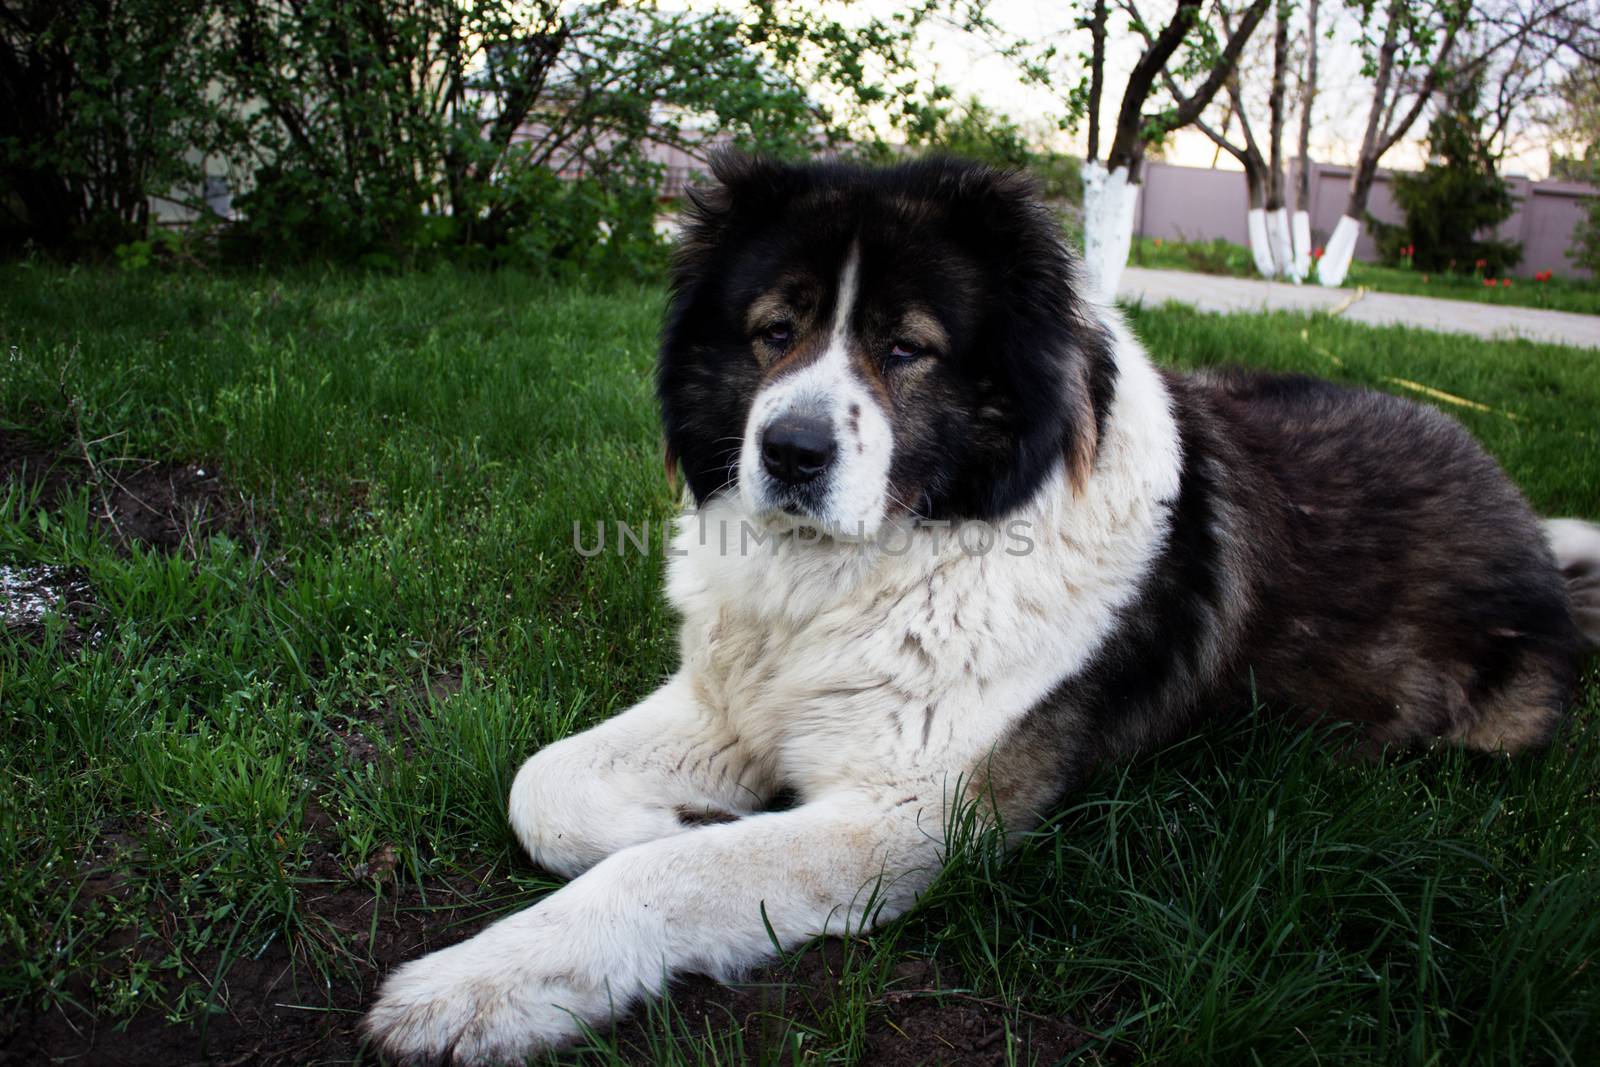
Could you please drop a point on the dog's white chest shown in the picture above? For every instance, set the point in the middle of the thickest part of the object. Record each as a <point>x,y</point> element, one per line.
<point>844,663</point>
<point>854,692</point>
<point>851,668</point>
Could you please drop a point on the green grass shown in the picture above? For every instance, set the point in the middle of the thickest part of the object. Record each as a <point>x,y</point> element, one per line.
<point>182,790</point>
<point>1223,257</point>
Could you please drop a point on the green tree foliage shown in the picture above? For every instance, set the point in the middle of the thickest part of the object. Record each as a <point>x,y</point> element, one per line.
<point>102,103</point>
<point>1579,122</point>
<point>392,131</point>
<point>1575,118</point>
<point>397,132</point>
<point>1454,200</point>
<point>973,130</point>
<point>1585,250</point>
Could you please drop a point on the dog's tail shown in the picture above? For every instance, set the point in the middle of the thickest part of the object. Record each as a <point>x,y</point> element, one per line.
<point>1577,548</point>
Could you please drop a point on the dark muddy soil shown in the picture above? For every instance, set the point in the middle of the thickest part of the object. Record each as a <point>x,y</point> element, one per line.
<point>919,1022</point>
<point>167,506</point>
<point>279,1014</point>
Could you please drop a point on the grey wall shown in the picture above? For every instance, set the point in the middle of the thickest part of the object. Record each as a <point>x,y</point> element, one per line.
<point>1199,204</point>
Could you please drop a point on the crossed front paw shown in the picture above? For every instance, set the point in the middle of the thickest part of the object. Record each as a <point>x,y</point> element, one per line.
<point>457,1008</point>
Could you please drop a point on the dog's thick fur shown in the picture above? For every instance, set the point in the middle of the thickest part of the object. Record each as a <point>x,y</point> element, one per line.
<point>1171,544</point>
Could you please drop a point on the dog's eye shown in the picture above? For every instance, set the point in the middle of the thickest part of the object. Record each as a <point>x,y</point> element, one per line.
<point>778,334</point>
<point>901,351</point>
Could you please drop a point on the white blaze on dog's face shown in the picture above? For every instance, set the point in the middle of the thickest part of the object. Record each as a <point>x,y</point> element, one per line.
<point>818,443</point>
<point>848,348</point>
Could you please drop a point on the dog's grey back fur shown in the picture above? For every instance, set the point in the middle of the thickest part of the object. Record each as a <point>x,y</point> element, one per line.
<point>1333,552</point>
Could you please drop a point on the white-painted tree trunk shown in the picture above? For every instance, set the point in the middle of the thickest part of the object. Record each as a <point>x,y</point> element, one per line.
<point>1335,262</point>
<point>1282,245</point>
<point>1302,244</point>
<point>1109,200</point>
<point>1260,247</point>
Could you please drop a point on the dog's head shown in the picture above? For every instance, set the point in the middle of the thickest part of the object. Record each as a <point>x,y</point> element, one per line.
<point>848,346</point>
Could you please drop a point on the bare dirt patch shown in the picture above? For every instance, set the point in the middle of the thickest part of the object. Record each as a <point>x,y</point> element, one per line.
<point>168,506</point>
<point>922,1020</point>
<point>279,1012</point>
<point>274,1009</point>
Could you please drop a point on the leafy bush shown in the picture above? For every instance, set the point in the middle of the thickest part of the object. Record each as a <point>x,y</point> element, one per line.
<point>1060,177</point>
<point>102,103</point>
<point>391,134</point>
<point>574,228</point>
<point>1585,250</point>
<point>1456,197</point>
<point>566,228</point>
<point>976,131</point>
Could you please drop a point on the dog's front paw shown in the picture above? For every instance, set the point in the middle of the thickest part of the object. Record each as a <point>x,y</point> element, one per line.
<point>463,1007</point>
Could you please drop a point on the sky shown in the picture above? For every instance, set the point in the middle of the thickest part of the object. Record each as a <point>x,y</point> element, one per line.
<point>972,67</point>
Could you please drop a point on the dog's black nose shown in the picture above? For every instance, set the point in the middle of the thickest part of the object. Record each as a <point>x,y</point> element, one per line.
<point>796,449</point>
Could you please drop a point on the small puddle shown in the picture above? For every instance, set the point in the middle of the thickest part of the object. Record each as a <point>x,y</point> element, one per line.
<point>31,593</point>
<point>27,594</point>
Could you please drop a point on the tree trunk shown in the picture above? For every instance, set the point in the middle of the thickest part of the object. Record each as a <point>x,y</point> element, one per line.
<point>1257,223</point>
<point>1335,263</point>
<point>1308,99</point>
<point>1110,200</point>
<point>1367,163</point>
<point>1366,173</point>
<point>1111,192</point>
<point>1127,145</point>
<point>1097,75</point>
<point>1280,64</point>
<point>1255,181</point>
<point>1277,213</point>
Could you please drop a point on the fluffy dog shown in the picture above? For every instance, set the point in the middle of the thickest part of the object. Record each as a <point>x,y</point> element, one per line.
<point>958,540</point>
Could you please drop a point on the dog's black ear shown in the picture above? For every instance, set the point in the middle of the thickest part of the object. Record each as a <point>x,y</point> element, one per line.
<point>741,188</point>
<point>1046,354</point>
<point>752,181</point>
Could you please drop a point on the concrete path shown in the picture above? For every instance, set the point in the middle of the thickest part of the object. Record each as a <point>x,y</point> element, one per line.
<point>1212,292</point>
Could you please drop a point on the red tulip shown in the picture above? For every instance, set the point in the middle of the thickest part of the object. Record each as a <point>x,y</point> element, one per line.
<point>1480,264</point>
<point>1316,253</point>
<point>1488,283</point>
<point>1505,283</point>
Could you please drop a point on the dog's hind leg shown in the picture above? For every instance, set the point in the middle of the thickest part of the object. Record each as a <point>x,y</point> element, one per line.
<point>1576,545</point>
<point>1526,709</point>
<point>1524,714</point>
<point>655,770</point>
